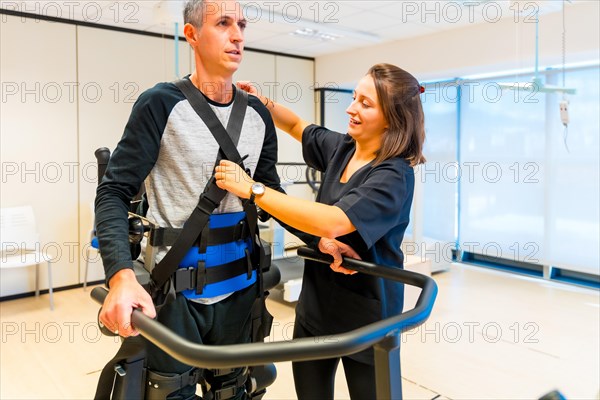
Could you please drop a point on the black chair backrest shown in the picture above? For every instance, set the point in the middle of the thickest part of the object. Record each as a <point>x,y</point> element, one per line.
<point>102,157</point>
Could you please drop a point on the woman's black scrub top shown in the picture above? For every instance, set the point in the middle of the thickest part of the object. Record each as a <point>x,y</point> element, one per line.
<point>377,201</point>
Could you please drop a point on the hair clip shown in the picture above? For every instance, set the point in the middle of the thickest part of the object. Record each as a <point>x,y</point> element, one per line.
<point>421,89</point>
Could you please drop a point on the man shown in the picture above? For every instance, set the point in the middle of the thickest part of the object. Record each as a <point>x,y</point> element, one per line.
<point>167,146</point>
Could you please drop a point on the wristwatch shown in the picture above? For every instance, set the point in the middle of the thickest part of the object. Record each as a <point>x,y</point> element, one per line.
<point>257,189</point>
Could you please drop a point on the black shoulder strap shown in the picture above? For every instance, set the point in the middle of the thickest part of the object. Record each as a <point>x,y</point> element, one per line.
<point>212,195</point>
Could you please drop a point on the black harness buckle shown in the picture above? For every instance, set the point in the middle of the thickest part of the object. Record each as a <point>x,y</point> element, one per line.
<point>184,279</point>
<point>249,262</point>
<point>200,277</point>
<point>241,230</point>
<point>206,205</point>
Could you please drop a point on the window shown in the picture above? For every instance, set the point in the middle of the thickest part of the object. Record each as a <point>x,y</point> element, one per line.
<point>502,158</point>
<point>501,179</point>
<point>439,174</point>
<point>572,179</point>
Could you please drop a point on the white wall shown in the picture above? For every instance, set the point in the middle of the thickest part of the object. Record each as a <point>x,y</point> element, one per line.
<point>123,65</point>
<point>295,81</point>
<point>475,49</point>
<point>290,82</point>
<point>38,126</point>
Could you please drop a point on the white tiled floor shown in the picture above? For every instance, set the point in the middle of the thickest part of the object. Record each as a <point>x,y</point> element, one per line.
<point>492,335</point>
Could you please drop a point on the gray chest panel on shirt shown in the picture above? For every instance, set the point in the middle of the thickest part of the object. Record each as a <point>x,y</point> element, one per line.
<point>186,160</point>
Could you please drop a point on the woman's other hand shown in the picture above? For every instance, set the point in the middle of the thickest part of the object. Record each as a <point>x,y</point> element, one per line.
<point>338,249</point>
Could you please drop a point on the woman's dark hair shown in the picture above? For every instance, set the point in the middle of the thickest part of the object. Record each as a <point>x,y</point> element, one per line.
<point>399,96</point>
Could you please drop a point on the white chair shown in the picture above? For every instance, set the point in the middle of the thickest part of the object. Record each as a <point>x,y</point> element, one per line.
<point>21,246</point>
<point>91,250</point>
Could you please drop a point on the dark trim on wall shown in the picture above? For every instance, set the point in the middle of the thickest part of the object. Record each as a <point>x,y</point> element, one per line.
<point>276,53</point>
<point>83,23</point>
<point>322,99</point>
<point>45,291</point>
<point>575,277</point>
<point>321,106</point>
<point>502,264</point>
<point>38,17</point>
<point>329,89</point>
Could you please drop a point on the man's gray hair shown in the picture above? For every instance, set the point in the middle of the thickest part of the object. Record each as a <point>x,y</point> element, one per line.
<point>193,12</point>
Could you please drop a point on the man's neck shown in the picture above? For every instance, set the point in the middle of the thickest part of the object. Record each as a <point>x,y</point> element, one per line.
<point>217,88</point>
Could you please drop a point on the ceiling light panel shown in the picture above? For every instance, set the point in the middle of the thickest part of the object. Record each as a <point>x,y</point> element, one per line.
<point>315,34</point>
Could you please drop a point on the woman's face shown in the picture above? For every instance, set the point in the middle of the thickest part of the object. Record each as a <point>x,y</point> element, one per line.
<point>366,116</point>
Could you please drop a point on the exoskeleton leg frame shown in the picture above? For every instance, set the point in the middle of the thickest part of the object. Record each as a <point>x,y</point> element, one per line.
<point>217,384</point>
<point>159,386</point>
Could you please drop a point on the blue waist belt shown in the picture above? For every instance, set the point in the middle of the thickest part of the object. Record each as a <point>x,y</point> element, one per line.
<point>222,268</point>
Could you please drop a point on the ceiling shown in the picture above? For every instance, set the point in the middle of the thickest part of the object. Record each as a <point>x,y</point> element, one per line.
<point>354,24</point>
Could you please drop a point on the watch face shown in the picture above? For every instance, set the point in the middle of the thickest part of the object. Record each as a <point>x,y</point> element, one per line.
<point>258,188</point>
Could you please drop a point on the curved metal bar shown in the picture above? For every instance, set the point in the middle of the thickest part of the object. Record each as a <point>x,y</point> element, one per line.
<point>230,356</point>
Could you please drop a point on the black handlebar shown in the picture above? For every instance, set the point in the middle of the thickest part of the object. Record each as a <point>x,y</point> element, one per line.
<point>394,274</point>
<point>230,356</point>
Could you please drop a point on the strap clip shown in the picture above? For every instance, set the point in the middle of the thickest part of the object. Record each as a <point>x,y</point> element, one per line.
<point>184,279</point>
<point>249,262</point>
<point>120,370</point>
<point>226,393</point>
<point>231,387</point>
<point>240,231</point>
<point>200,277</point>
<point>206,205</point>
<point>203,239</point>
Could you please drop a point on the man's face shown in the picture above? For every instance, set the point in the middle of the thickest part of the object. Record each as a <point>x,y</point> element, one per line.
<point>221,37</point>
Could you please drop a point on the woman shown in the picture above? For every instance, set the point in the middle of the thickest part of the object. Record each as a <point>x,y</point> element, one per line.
<point>362,211</point>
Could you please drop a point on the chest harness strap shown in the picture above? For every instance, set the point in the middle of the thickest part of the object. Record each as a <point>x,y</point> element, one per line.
<point>196,226</point>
